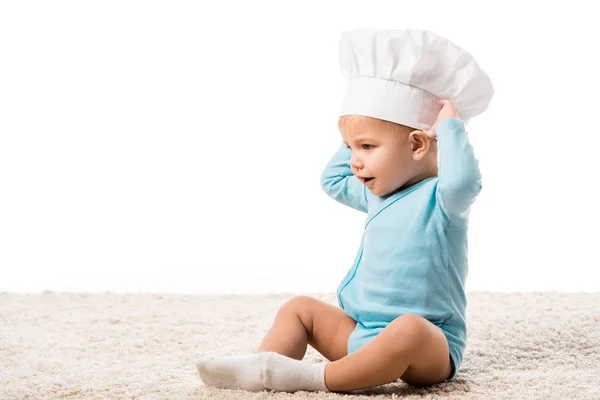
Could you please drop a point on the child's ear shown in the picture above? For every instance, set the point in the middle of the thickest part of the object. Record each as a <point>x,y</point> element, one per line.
<point>419,144</point>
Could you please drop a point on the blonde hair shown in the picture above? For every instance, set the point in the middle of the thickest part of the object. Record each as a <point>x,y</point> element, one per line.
<point>346,121</point>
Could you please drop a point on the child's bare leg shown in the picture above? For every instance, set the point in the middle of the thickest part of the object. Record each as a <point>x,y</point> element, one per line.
<point>278,366</point>
<point>410,348</point>
<point>305,320</point>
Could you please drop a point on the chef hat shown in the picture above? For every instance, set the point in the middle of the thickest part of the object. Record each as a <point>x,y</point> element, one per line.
<point>400,75</point>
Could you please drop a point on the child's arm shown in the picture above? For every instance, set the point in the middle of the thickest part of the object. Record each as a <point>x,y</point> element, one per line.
<point>459,175</point>
<point>340,184</point>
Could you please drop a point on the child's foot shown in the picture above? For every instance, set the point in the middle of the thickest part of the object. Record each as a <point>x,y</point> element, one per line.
<point>262,371</point>
<point>289,375</point>
<point>234,372</point>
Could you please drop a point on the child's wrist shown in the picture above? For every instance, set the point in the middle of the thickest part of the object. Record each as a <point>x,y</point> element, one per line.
<point>450,123</point>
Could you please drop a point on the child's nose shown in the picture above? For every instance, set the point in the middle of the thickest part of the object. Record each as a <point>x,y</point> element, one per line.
<point>356,162</point>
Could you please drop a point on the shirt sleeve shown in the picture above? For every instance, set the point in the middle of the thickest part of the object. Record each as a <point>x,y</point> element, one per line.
<point>338,181</point>
<point>459,176</point>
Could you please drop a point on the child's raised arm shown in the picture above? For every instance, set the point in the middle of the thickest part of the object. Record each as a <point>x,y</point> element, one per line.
<point>459,175</point>
<point>338,181</point>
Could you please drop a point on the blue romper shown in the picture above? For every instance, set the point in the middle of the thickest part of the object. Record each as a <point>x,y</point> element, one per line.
<point>412,257</point>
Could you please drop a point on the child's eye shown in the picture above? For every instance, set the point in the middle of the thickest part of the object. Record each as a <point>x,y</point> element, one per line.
<point>364,146</point>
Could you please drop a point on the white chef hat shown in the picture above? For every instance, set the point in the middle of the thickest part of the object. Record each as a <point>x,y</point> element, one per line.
<point>400,75</point>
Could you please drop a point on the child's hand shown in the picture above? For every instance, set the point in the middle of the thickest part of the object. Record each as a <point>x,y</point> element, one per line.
<point>448,111</point>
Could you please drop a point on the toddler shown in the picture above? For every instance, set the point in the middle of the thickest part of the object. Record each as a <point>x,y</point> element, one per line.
<point>407,162</point>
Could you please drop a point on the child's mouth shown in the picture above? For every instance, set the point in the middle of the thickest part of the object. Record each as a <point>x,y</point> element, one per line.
<point>367,181</point>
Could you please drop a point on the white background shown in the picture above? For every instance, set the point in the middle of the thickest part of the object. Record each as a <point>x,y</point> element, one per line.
<point>177,146</point>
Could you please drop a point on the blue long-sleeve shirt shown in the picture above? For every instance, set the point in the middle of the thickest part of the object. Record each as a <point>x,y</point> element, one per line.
<point>413,254</point>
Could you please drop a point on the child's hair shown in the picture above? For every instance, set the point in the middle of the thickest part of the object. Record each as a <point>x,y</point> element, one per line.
<point>346,121</point>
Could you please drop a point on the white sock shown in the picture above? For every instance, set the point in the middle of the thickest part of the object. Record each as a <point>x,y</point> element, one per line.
<point>288,375</point>
<point>262,371</point>
<point>234,372</point>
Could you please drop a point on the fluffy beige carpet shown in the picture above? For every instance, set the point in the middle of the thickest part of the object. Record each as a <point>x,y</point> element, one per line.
<point>542,345</point>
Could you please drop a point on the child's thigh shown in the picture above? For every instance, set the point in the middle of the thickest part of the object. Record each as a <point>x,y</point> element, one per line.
<point>430,357</point>
<point>328,327</point>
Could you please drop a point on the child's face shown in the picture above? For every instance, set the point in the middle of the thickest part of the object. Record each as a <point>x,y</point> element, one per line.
<point>386,155</point>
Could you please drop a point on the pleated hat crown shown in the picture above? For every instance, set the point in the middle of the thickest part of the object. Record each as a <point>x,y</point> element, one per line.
<point>399,76</point>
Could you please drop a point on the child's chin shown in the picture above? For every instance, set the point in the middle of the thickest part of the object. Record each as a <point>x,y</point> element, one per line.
<point>374,191</point>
